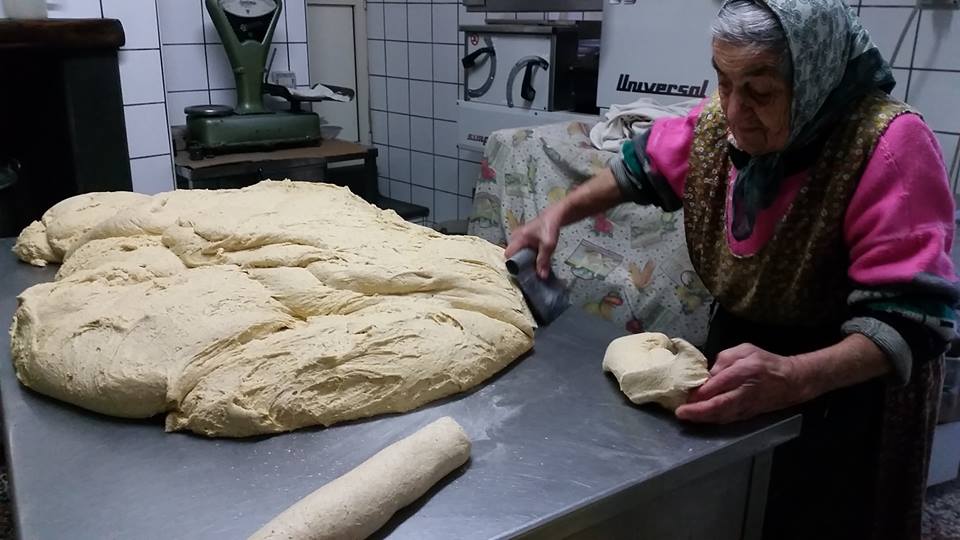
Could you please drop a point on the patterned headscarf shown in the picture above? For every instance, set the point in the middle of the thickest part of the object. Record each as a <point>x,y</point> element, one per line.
<point>835,63</point>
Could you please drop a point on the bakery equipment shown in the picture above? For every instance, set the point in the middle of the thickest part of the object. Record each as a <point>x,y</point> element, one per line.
<point>535,65</point>
<point>246,30</point>
<point>642,57</point>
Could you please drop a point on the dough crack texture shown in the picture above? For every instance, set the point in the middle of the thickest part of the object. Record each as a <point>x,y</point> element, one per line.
<point>259,310</point>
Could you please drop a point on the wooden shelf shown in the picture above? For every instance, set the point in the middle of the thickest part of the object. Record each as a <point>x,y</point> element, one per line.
<point>61,34</point>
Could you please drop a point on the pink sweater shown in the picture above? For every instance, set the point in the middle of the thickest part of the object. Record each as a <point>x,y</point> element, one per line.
<point>899,223</point>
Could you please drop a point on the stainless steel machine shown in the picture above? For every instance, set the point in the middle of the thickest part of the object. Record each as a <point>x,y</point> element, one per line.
<point>641,56</point>
<point>536,65</point>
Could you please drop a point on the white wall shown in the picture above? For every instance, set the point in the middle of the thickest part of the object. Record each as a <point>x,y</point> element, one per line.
<point>414,59</point>
<point>141,77</point>
<point>173,58</point>
<point>414,55</point>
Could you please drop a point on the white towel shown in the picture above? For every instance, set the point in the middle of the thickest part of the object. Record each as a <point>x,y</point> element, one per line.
<point>319,90</point>
<point>622,122</point>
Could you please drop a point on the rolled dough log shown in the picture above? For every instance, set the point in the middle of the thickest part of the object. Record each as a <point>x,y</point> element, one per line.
<point>651,367</point>
<point>363,500</point>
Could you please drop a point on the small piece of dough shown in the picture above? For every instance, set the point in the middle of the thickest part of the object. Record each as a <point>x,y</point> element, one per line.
<point>363,500</point>
<point>651,367</point>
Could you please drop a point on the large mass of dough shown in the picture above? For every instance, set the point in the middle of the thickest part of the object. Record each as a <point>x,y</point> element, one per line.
<point>652,367</point>
<point>266,309</point>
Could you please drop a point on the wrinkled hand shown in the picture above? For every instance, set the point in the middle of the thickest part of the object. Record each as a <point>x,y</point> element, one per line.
<point>745,381</point>
<point>539,234</point>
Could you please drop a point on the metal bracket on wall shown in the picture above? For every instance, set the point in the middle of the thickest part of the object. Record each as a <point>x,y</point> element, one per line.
<point>533,5</point>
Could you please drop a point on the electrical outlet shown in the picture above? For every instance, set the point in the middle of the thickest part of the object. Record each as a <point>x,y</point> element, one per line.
<point>938,4</point>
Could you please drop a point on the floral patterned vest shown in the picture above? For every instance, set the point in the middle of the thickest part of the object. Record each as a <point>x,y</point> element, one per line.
<point>800,276</point>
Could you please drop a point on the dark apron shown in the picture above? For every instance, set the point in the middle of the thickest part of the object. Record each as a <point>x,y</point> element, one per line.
<point>858,468</point>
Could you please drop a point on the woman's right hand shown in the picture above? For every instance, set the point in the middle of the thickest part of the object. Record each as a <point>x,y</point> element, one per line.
<point>541,235</point>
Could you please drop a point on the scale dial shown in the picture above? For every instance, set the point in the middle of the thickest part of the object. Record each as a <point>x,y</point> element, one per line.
<point>248,9</point>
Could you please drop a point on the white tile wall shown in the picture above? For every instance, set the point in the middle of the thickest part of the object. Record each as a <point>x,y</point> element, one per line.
<point>399,165</point>
<point>421,134</point>
<point>223,97</point>
<point>421,61</point>
<point>75,9</point>
<point>398,130</point>
<point>378,93</point>
<point>378,126</point>
<point>178,101</point>
<point>184,67</point>
<point>938,42</point>
<point>445,138</point>
<point>181,21</point>
<point>469,171</point>
<point>377,59</point>
<point>885,25</point>
<point>142,84</point>
<point>139,19</point>
<point>927,69</point>
<point>299,62</point>
<point>421,169</point>
<point>937,94</point>
<point>445,174</point>
<point>445,101</point>
<point>419,22</point>
<point>398,95</point>
<point>395,17</point>
<point>296,16</point>
<point>398,59</point>
<point>152,174</point>
<point>147,133</point>
<point>446,206</point>
<point>375,25</point>
<point>421,98</point>
<point>445,23</point>
<point>422,196</point>
<point>219,72</point>
<point>400,190</point>
<point>445,63</point>
<point>141,76</point>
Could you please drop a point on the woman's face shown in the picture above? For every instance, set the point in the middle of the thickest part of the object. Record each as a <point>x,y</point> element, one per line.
<point>755,98</point>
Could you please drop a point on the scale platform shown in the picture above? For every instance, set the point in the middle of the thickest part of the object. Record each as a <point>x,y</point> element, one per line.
<point>231,133</point>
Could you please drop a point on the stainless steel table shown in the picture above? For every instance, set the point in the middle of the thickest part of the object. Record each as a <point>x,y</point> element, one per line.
<point>557,451</point>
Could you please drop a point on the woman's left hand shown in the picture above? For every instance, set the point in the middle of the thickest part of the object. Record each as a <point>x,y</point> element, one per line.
<point>745,381</point>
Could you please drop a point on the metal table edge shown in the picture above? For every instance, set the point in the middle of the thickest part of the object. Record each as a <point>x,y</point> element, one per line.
<point>608,503</point>
<point>7,439</point>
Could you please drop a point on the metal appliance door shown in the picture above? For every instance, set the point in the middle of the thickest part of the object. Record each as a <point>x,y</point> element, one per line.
<point>659,50</point>
<point>510,50</point>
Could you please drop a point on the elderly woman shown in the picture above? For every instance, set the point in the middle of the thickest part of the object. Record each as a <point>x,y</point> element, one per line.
<point>817,212</point>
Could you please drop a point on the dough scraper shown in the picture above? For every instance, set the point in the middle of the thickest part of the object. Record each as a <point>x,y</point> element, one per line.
<point>547,298</point>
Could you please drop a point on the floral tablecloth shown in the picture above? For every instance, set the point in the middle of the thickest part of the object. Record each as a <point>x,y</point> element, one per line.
<point>628,265</point>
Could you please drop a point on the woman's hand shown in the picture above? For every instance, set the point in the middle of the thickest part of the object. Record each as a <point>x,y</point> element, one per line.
<point>541,234</point>
<point>594,196</point>
<point>746,381</point>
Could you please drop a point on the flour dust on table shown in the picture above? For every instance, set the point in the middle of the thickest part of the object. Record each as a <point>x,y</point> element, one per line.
<point>259,310</point>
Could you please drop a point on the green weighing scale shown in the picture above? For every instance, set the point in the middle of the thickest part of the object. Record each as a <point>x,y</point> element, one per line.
<point>246,29</point>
